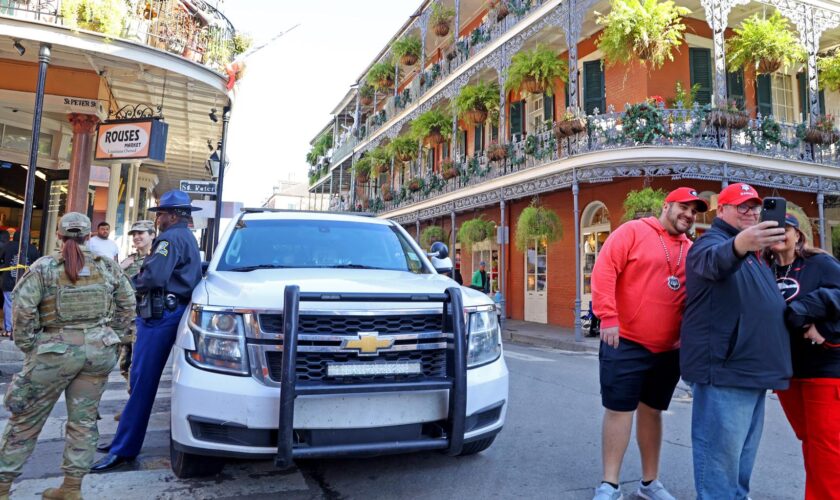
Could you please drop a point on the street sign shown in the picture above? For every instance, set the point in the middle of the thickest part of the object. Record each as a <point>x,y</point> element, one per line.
<point>198,187</point>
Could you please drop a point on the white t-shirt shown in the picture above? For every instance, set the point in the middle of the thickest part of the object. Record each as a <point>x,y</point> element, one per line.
<point>105,248</point>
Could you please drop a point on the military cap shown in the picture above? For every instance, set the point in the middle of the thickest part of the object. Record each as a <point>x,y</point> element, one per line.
<point>142,226</point>
<point>74,224</point>
<point>174,200</point>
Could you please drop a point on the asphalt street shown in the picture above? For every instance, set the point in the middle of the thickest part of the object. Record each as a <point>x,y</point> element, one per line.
<point>550,448</point>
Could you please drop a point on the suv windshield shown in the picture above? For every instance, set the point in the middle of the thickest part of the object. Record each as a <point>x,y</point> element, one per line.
<point>264,244</point>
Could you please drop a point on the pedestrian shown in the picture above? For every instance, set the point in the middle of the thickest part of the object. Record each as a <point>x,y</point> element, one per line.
<point>480,281</point>
<point>808,279</point>
<point>102,245</point>
<point>164,286</point>
<point>4,239</point>
<point>9,259</point>
<point>142,233</point>
<point>71,311</point>
<point>734,345</point>
<point>638,292</point>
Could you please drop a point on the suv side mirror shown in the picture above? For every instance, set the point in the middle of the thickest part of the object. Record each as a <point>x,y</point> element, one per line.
<point>439,255</point>
<point>439,250</point>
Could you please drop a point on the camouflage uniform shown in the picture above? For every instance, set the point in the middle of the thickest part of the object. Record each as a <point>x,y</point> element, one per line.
<point>69,333</point>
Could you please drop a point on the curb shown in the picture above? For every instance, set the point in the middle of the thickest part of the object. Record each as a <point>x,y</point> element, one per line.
<point>550,342</point>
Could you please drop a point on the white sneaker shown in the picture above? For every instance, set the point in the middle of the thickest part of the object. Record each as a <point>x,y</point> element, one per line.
<point>606,492</point>
<point>653,491</point>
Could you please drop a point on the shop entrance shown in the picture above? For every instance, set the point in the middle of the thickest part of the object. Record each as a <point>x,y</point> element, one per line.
<point>536,282</point>
<point>595,228</point>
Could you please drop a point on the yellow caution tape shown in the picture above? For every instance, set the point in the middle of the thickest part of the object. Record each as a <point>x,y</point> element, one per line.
<point>12,268</point>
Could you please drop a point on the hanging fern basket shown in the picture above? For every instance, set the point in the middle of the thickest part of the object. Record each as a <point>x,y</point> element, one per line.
<point>366,100</point>
<point>767,66</point>
<point>434,138</point>
<point>408,59</point>
<point>476,116</point>
<point>432,234</point>
<point>537,223</point>
<point>531,85</point>
<point>475,231</point>
<point>441,28</point>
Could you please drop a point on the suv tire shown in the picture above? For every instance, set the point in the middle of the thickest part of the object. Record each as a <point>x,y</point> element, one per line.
<point>477,446</point>
<point>186,465</point>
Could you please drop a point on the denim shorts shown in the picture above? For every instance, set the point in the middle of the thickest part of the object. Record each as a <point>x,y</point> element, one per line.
<point>631,374</point>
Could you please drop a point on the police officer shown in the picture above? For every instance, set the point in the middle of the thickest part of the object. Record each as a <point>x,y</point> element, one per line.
<point>164,287</point>
<point>142,233</point>
<point>71,310</point>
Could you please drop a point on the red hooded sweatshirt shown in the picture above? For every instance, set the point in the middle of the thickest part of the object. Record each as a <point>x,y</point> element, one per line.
<point>630,284</point>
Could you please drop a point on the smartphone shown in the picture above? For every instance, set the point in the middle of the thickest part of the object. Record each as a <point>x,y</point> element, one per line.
<point>774,208</point>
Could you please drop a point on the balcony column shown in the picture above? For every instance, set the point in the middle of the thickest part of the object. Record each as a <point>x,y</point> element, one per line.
<point>717,16</point>
<point>457,21</point>
<point>576,209</point>
<point>352,183</point>
<point>332,193</point>
<point>417,229</point>
<point>81,157</point>
<point>502,257</point>
<point>424,27</point>
<point>574,24</point>
<point>453,144</point>
<point>502,71</point>
<point>358,112</point>
<point>340,187</point>
<point>821,207</point>
<point>452,238</point>
<point>396,78</point>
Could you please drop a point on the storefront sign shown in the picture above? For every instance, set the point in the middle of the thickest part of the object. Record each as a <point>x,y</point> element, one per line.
<point>198,187</point>
<point>132,139</point>
<point>55,103</point>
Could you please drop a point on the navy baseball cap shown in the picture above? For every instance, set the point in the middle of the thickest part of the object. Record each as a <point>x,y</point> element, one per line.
<point>791,220</point>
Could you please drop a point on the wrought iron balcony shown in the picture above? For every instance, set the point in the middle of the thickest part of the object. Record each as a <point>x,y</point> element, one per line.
<point>193,29</point>
<point>654,126</point>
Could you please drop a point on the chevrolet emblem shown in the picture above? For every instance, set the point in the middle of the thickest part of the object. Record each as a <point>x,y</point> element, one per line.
<point>368,343</point>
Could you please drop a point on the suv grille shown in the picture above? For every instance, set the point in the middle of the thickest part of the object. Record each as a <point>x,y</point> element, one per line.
<point>312,366</point>
<point>351,325</point>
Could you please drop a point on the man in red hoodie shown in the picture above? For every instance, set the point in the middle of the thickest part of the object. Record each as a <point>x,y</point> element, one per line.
<point>638,293</point>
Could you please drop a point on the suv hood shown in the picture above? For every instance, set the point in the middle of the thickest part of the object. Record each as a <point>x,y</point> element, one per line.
<point>263,288</point>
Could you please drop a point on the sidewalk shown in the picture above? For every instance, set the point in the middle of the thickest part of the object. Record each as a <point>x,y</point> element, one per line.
<point>538,334</point>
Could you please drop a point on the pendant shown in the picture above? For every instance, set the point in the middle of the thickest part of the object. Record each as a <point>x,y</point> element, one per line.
<point>673,283</point>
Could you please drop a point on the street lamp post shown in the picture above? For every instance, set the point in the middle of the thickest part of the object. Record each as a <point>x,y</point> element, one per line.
<point>220,182</point>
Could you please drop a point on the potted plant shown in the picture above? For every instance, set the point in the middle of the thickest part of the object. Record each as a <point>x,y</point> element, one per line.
<point>475,231</point>
<point>643,122</point>
<point>403,148</point>
<point>682,98</point>
<point>362,170</point>
<point>642,203</point>
<point>432,234</point>
<point>822,132</point>
<point>767,44</point>
<point>387,193</point>
<point>441,18</point>
<point>572,122</point>
<point>103,16</point>
<point>646,29</point>
<point>433,127</point>
<point>407,49</point>
<point>829,71</point>
<point>535,71</point>
<point>474,103</point>
<point>500,8</point>
<point>496,151</point>
<point>727,115</point>
<point>366,94</point>
<point>381,76</point>
<point>448,169</point>
<point>415,184</point>
<point>537,222</point>
<point>380,159</point>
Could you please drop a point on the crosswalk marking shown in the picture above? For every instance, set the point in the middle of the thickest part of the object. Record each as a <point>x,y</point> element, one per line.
<point>524,357</point>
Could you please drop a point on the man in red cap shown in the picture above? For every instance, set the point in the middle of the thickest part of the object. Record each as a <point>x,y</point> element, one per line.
<point>638,292</point>
<point>734,345</point>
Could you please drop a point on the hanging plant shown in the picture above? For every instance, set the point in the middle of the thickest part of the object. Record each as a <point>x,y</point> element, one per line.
<point>500,8</point>
<point>448,169</point>
<point>103,16</point>
<point>441,18</point>
<point>380,159</point>
<point>822,132</point>
<point>572,122</point>
<point>381,76</point>
<point>432,234</point>
<point>474,103</point>
<point>643,203</point>
<point>387,193</point>
<point>362,170</point>
<point>535,71</point>
<point>319,149</point>
<point>829,72</point>
<point>537,223</point>
<point>366,95</point>
<point>766,44</point>
<point>403,148</point>
<point>726,114</point>
<point>496,151</point>
<point>643,123</point>
<point>475,231</point>
<point>646,29</point>
<point>433,127</point>
<point>407,49</point>
<point>415,184</point>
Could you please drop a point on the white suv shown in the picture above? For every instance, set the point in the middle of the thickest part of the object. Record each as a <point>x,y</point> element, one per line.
<point>330,335</point>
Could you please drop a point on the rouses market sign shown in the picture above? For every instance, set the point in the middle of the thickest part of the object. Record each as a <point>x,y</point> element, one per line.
<point>132,139</point>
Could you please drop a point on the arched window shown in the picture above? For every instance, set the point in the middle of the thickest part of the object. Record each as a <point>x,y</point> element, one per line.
<point>594,229</point>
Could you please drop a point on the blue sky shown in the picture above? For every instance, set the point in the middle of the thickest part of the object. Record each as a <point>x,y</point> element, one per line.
<point>291,86</point>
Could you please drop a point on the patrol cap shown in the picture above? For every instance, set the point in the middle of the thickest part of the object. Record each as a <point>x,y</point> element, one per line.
<point>142,226</point>
<point>175,200</point>
<point>74,224</point>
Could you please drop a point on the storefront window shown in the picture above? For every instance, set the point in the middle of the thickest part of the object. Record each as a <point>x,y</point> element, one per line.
<point>595,228</point>
<point>537,266</point>
<point>18,139</point>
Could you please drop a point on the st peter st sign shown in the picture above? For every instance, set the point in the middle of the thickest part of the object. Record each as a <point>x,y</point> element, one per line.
<point>136,139</point>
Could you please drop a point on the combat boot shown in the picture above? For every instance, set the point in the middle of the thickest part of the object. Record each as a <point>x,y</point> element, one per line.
<point>70,489</point>
<point>5,486</point>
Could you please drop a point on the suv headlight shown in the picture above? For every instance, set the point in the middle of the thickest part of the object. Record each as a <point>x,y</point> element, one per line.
<point>219,340</point>
<point>483,332</point>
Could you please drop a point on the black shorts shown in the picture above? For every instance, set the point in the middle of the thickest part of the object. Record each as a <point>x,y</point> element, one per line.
<point>631,374</point>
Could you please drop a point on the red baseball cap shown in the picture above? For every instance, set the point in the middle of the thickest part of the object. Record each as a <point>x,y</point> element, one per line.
<point>738,193</point>
<point>687,195</point>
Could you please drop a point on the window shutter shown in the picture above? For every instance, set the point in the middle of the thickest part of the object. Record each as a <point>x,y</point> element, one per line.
<point>566,94</point>
<point>478,137</point>
<point>700,70</point>
<point>516,121</point>
<point>594,94</point>
<point>735,87</point>
<point>462,142</point>
<point>764,95</point>
<point>494,132</point>
<point>548,108</point>
<point>445,152</point>
<point>804,102</point>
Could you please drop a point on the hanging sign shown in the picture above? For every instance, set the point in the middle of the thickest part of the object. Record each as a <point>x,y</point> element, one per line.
<point>198,187</point>
<point>132,140</point>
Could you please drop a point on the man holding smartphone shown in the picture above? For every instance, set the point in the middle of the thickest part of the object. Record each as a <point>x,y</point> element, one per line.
<point>734,344</point>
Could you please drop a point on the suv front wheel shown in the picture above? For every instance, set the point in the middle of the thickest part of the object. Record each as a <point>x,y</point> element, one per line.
<point>186,465</point>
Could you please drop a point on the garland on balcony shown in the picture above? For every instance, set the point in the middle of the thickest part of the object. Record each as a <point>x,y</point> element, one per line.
<point>771,134</point>
<point>643,123</point>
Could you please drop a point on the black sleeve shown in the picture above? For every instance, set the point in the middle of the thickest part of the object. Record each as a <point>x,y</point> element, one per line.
<point>822,304</point>
<point>157,267</point>
<point>713,259</point>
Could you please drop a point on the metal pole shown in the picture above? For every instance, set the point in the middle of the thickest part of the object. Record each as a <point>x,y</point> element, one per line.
<point>502,267</point>
<point>417,228</point>
<point>821,206</point>
<point>454,235</point>
<point>29,198</point>
<point>220,183</point>
<point>575,192</point>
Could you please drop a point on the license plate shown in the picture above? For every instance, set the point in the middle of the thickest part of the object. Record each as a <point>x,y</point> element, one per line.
<point>373,369</point>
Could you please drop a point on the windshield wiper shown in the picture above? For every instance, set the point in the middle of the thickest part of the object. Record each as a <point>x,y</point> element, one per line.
<point>245,269</point>
<point>354,266</point>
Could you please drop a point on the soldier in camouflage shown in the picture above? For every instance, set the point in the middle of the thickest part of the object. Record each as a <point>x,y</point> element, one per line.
<point>142,233</point>
<point>71,310</point>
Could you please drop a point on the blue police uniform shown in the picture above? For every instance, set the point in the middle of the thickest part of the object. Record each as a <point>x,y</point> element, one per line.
<point>174,266</point>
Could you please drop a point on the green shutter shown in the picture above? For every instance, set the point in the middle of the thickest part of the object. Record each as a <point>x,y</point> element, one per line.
<point>566,94</point>
<point>764,95</point>
<point>700,70</point>
<point>516,120</point>
<point>445,152</point>
<point>735,87</point>
<point>804,102</point>
<point>594,93</point>
<point>462,142</point>
<point>548,108</point>
<point>478,137</point>
<point>494,132</point>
